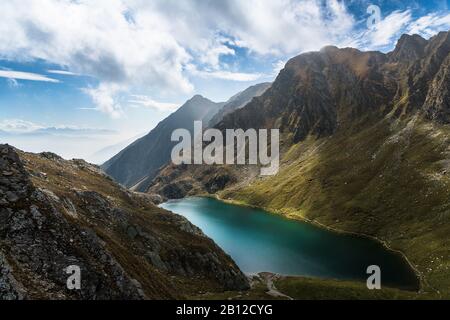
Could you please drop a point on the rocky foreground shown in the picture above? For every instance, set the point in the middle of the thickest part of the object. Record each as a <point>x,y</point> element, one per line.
<point>56,213</point>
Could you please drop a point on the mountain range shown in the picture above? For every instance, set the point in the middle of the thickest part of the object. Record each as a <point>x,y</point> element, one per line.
<point>365,147</point>
<point>137,165</point>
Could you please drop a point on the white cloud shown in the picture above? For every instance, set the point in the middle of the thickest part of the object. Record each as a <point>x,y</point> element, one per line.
<point>96,38</point>
<point>105,99</point>
<point>18,126</point>
<point>22,127</point>
<point>135,42</point>
<point>144,101</point>
<point>63,72</point>
<point>278,66</point>
<point>388,29</point>
<point>212,55</point>
<point>223,74</point>
<point>66,140</point>
<point>233,76</point>
<point>150,44</point>
<point>18,75</point>
<point>430,24</point>
<point>13,83</point>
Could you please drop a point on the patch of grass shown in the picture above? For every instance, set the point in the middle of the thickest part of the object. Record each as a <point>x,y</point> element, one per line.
<point>388,180</point>
<point>318,289</point>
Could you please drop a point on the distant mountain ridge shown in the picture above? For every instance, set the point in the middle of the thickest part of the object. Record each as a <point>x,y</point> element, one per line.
<point>106,153</point>
<point>140,161</point>
<point>137,165</point>
<point>239,101</point>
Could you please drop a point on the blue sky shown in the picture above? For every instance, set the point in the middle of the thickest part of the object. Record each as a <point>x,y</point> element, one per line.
<point>78,76</point>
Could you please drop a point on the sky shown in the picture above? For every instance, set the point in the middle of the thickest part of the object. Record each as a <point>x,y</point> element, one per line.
<point>78,76</point>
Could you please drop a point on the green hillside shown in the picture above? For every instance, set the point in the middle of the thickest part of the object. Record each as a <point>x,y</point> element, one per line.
<point>389,181</point>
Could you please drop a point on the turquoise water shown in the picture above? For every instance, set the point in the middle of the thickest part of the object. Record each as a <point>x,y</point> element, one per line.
<point>259,241</point>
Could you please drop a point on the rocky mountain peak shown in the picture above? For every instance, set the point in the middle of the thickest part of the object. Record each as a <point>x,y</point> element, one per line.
<point>239,101</point>
<point>408,49</point>
<point>198,98</point>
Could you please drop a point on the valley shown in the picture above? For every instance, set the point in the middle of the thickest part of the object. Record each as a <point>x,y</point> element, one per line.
<point>365,145</point>
<point>224,150</point>
<point>364,153</point>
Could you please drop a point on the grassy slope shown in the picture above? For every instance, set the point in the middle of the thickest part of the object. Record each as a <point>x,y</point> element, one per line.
<point>317,289</point>
<point>300,288</point>
<point>390,181</point>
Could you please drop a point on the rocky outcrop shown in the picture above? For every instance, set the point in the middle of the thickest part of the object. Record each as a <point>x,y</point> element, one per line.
<point>239,101</point>
<point>409,48</point>
<point>55,214</point>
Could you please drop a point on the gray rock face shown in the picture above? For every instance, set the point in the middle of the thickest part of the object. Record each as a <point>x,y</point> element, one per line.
<point>10,289</point>
<point>239,101</point>
<point>43,232</point>
<point>41,244</point>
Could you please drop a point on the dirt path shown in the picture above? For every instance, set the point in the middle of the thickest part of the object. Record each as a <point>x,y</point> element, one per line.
<point>269,279</point>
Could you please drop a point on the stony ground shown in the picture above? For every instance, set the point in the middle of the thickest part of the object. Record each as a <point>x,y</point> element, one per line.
<point>56,213</point>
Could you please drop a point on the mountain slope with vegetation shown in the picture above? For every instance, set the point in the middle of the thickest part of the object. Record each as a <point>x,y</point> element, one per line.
<point>365,149</point>
<point>56,213</point>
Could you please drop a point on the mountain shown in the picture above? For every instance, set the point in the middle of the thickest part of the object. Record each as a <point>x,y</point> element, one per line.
<point>365,148</point>
<point>56,213</point>
<point>137,164</point>
<point>239,101</point>
<point>104,154</point>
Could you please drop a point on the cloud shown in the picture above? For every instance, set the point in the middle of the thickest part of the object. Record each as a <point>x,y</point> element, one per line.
<point>72,131</point>
<point>144,101</point>
<point>97,38</point>
<point>63,72</point>
<point>65,140</point>
<point>388,29</point>
<point>105,99</point>
<point>126,43</point>
<point>18,126</point>
<point>233,76</point>
<point>13,83</point>
<point>18,75</point>
<point>26,128</point>
<point>224,75</point>
<point>385,33</point>
<point>278,66</point>
<point>430,24</point>
<point>150,44</point>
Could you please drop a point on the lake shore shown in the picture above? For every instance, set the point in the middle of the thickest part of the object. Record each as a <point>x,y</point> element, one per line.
<point>407,264</point>
<point>422,279</point>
